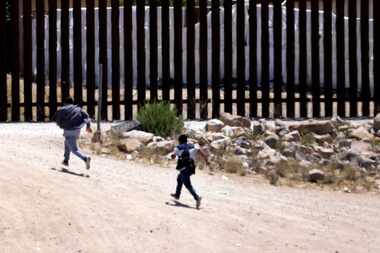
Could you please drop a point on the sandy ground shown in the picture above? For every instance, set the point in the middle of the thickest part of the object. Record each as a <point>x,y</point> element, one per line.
<point>124,207</point>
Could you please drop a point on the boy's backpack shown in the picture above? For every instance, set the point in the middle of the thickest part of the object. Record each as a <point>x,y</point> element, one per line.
<point>185,161</point>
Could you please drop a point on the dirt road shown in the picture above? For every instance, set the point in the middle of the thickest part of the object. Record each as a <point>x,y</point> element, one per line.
<point>124,207</point>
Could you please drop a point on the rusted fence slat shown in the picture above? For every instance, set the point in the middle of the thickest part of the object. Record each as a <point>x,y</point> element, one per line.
<point>265,58</point>
<point>277,39</point>
<point>103,56</point>
<point>353,59</point>
<point>40,60</point>
<point>203,37</point>
<point>178,79</point>
<point>65,44</point>
<point>253,58</point>
<point>3,76</point>
<point>364,44</point>
<point>315,58</point>
<point>15,55</point>
<point>290,57</point>
<point>78,79</point>
<point>128,59</point>
<point>27,55</point>
<point>302,85</point>
<point>228,56</point>
<point>90,40</point>
<point>165,51</point>
<point>215,59</point>
<point>190,22</point>
<point>376,53</point>
<point>141,86</point>
<point>153,50</point>
<point>115,61</point>
<point>52,57</point>
<point>327,47</point>
<point>240,55</point>
<point>340,49</point>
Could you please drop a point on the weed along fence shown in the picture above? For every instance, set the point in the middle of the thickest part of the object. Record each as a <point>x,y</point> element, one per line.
<point>293,59</point>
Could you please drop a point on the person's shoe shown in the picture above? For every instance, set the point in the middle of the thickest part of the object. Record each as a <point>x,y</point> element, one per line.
<point>88,163</point>
<point>174,196</point>
<point>198,202</point>
<point>65,163</point>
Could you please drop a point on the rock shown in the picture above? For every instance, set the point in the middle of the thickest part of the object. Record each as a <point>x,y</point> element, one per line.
<point>344,143</point>
<point>287,152</point>
<point>316,175</point>
<point>199,136</point>
<point>105,151</point>
<point>233,132</point>
<point>162,147</point>
<point>349,156</point>
<point>277,158</point>
<point>158,139</point>
<point>318,127</point>
<point>194,126</point>
<point>282,132</point>
<point>243,142</point>
<point>220,144</point>
<point>376,122</point>
<point>320,139</point>
<point>266,153</point>
<point>214,136</point>
<point>324,152</point>
<point>214,125</point>
<point>293,136</point>
<point>240,151</point>
<point>366,163</point>
<point>272,141</point>
<point>361,133</point>
<point>258,127</point>
<point>130,145</point>
<point>142,136</point>
<point>125,126</point>
<point>234,120</point>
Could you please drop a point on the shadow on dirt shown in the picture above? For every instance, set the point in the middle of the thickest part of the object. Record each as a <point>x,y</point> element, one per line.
<point>66,171</point>
<point>176,203</point>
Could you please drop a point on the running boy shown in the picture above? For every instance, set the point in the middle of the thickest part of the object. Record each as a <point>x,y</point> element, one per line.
<point>186,154</point>
<point>71,118</point>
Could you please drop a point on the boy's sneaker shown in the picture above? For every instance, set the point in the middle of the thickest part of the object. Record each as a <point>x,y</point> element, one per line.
<point>198,202</point>
<point>88,163</point>
<point>174,196</point>
<point>65,163</point>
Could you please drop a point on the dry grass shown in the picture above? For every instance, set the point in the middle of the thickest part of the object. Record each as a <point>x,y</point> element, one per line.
<point>232,164</point>
<point>346,178</point>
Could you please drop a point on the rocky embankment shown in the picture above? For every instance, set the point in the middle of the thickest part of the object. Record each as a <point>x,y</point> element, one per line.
<point>339,154</point>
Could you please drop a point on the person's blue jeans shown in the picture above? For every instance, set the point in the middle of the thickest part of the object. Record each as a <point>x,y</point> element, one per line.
<point>71,146</point>
<point>184,179</point>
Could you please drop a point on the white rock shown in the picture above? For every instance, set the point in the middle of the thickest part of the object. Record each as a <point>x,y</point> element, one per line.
<point>292,136</point>
<point>214,125</point>
<point>316,175</point>
<point>130,145</point>
<point>361,133</point>
<point>162,147</point>
<point>234,120</point>
<point>142,136</point>
<point>233,132</point>
<point>220,144</point>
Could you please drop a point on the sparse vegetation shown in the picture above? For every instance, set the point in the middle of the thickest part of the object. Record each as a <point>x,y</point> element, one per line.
<point>158,118</point>
<point>232,164</point>
<point>307,139</point>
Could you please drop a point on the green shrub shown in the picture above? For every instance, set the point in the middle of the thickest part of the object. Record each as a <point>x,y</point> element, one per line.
<point>159,119</point>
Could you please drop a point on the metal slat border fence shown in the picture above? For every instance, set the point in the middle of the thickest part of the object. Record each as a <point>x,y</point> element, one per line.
<point>282,59</point>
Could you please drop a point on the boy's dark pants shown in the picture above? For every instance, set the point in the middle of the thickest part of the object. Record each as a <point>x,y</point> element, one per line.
<point>184,179</point>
